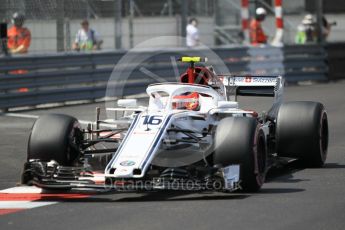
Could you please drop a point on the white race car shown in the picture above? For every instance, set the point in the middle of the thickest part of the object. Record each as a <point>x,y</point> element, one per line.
<point>192,135</point>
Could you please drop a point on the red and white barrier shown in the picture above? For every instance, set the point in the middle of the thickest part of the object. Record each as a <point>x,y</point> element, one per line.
<point>278,9</point>
<point>245,19</point>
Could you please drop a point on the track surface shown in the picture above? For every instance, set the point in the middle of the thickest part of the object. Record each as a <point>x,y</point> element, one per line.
<point>292,199</point>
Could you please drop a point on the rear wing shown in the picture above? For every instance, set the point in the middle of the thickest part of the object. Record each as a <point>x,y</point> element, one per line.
<point>259,86</point>
<point>265,86</point>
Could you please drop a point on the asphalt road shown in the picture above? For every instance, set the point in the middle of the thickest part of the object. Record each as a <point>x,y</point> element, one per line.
<point>292,199</point>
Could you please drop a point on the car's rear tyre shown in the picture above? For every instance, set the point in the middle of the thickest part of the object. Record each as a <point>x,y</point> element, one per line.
<point>239,140</point>
<point>302,132</point>
<point>54,137</point>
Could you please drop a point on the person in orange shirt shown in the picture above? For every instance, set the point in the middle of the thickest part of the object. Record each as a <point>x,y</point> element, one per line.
<point>19,37</point>
<point>257,35</point>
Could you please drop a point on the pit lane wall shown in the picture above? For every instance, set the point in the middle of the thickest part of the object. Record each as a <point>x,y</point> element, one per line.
<point>67,77</point>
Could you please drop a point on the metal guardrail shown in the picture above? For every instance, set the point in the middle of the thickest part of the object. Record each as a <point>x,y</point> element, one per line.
<point>84,76</point>
<point>336,60</point>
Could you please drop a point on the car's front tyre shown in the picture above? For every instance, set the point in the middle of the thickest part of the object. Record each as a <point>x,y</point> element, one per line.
<point>239,140</point>
<point>53,137</point>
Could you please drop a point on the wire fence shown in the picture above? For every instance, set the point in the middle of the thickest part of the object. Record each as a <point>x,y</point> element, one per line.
<point>125,23</point>
<point>54,23</point>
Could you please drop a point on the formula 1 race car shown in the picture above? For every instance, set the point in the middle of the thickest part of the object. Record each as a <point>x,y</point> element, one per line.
<point>192,135</point>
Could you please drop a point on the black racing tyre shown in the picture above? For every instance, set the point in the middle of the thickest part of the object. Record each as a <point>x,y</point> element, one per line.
<point>302,132</point>
<point>53,137</point>
<point>239,140</point>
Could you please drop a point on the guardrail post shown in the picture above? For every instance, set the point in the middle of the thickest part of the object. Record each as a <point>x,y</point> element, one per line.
<point>130,21</point>
<point>60,25</point>
<point>118,23</point>
<point>184,15</point>
<point>319,15</point>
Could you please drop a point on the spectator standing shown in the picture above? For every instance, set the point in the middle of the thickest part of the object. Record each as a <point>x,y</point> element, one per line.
<point>326,28</point>
<point>301,36</point>
<point>306,31</point>
<point>256,33</point>
<point>18,41</point>
<point>192,33</point>
<point>86,38</point>
<point>19,37</point>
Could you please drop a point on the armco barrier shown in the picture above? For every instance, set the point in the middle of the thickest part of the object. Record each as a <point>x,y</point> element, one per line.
<point>336,60</point>
<point>84,76</point>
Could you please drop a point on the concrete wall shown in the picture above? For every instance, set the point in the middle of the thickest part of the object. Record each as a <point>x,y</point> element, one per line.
<point>43,35</point>
<point>293,6</point>
<point>44,32</point>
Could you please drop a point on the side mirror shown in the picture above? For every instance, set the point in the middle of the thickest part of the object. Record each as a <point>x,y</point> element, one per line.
<point>127,103</point>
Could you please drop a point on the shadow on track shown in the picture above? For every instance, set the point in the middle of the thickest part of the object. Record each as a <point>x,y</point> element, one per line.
<point>149,196</point>
<point>286,174</point>
<point>171,196</point>
<point>333,166</point>
<point>280,175</point>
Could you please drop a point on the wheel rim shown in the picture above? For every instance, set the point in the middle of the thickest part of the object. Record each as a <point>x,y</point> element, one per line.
<point>261,156</point>
<point>260,159</point>
<point>323,136</point>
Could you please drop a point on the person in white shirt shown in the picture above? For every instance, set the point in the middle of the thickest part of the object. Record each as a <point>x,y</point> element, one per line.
<point>86,38</point>
<point>192,33</point>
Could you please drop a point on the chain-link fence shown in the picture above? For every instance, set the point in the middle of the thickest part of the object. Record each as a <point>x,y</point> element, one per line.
<point>120,23</point>
<point>124,23</point>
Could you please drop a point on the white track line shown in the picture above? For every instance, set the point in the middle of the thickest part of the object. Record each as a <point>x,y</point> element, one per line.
<point>23,190</point>
<point>24,204</point>
<point>21,115</point>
